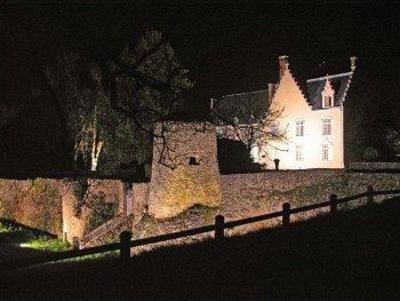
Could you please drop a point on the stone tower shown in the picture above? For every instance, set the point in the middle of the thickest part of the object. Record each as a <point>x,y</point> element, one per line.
<point>185,168</point>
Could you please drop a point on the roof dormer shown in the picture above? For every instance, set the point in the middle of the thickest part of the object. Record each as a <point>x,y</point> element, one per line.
<point>328,95</point>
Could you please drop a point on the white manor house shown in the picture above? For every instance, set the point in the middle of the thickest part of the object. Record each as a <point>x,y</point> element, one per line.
<point>311,118</point>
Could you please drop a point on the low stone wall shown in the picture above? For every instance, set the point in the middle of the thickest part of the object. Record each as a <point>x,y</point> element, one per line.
<point>67,208</point>
<point>84,204</point>
<point>35,203</point>
<point>247,195</point>
<point>374,165</point>
<point>247,190</point>
<point>266,192</point>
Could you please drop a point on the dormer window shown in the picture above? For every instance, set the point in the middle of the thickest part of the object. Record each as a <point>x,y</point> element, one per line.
<point>328,101</point>
<point>327,95</point>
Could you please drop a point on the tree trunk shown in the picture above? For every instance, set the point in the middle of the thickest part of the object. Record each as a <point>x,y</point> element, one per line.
<point>96,144</point>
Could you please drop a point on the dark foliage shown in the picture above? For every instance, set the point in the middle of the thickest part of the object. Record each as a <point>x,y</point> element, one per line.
<point>103,212</point>
<point>233,157</point>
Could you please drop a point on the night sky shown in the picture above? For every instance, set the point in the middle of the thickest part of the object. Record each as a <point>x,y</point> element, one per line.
<point>228,48</point>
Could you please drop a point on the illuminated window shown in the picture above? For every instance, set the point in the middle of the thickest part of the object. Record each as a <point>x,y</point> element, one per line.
<point>299,153</point>
<point>326,152</point>
<point>299,128</point>
<point>327,95</point>
<point>326,126</point>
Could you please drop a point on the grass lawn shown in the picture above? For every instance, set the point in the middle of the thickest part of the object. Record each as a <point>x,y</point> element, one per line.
<point>353,256</point>
<point>20,241</point>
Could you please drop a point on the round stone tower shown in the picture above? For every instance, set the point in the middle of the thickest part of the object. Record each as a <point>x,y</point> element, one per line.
<point>185,168</point>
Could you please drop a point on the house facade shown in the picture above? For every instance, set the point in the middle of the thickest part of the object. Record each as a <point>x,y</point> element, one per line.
<point>310,119</point>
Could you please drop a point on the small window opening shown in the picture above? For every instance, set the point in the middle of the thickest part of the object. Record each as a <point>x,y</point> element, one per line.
<point>193,161</point>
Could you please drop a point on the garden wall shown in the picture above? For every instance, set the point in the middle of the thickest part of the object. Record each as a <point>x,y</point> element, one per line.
<point>88,203</point>
<point>71,208</point>
<point>248,195</point>
<point>65,207</point>
<point>374,165</point>
<point>35,203</point>
<point>266,192</point>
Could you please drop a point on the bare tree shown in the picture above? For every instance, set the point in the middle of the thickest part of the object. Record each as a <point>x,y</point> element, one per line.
<point>249,121</point>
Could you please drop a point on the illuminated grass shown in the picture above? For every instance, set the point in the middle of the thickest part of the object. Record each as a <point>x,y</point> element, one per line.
<point>47,244</point>
<point>16,234</point>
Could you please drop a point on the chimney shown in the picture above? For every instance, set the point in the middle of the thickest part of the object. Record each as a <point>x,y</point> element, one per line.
<point>283,65</point>
<point>353,60</point>
<point>271,92</point>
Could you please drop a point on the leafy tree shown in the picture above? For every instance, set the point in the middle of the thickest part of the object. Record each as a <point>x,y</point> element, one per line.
<point>370,154</point>
<point>110,109</point>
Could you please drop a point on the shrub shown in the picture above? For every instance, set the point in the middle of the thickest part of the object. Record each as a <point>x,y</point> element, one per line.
<point>370,154</point>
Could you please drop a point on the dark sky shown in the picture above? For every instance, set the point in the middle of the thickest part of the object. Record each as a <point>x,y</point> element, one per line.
<point>227,47</point>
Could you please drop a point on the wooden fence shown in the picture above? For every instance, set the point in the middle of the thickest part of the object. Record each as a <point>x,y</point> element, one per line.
<point>125,244</point>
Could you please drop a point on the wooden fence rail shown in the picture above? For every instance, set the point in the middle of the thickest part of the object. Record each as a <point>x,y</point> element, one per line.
<point>125,244</point>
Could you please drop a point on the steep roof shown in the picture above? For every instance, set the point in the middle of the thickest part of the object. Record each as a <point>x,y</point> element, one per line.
<point>247,107</point>
<point>340,84</point>
<point>252,106</point>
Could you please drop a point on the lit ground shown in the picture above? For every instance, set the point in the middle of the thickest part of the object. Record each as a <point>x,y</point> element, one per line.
<point>18,241</point>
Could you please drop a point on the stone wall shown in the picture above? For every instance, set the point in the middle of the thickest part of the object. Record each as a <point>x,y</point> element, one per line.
<point>253,194</point>
<point>83,200</point>
<point>62,206</point>
<point>35,203</point>
<point>374,165</point>
<point>185,169</point>
<point>140,198</point>
<point>244,192</point>
<point>247,195</point>
<point>66,207</point>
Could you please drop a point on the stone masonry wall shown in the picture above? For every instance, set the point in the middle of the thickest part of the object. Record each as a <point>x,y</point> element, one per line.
<point>255,194</point>
<point>247,195</point>
<point>242,191</point>
<point>81,201</point>
<point>55,205</point>
<point>185,169</point>
<point>140,196</point>
<point>374,165</point>
<point>58,206</point>
<point>35,203</point>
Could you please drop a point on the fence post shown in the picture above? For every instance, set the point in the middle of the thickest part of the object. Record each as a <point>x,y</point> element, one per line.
<point>285,214</point>
<point>333,203</point>
<point>219,227</point>
<point>125,248</point>
<point>370,195</point>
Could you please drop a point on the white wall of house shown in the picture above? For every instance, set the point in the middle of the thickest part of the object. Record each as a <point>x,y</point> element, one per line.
<point>310,147</point>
